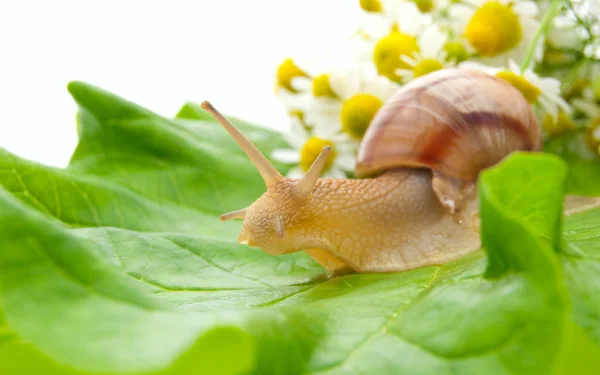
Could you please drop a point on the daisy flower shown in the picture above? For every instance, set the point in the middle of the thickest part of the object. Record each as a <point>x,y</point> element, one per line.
<point>286,72</point>
<point>306,146</point>
<point>317,69</point>
<point>498,30</point>
<point>361,91</point>
<point>304,81</point>
<point>430,57</point>
<point>391,39</point>
<point>293,99</point>
<point>544,91</point>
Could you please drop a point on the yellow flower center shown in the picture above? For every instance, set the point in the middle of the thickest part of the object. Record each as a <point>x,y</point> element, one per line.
<point>425,5</point>
<point>494,28</point>
<point>529,91</point>
<point>311,150</point>
<point>592,135</point>
<point>455,51</point>
<point>388,50</point>
<point>371,5</point>
<point>286,72</point>
<point>555,126</point>
<point>357,113</point>
<point>427,66</point>
<point>322,88</point>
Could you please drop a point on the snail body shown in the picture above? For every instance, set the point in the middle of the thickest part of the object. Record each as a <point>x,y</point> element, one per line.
<point>414,203</point>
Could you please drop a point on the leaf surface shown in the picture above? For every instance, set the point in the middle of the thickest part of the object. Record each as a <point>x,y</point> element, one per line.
<point>118,264</point>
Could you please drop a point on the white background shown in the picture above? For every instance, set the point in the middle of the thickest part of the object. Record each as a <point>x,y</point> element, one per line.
<point>159,54</point>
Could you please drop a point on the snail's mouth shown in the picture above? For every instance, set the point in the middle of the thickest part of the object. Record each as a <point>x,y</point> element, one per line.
<point>245,239</point>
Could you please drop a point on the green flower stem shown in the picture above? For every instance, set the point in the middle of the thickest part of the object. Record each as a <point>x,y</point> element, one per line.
<point>551,12</point>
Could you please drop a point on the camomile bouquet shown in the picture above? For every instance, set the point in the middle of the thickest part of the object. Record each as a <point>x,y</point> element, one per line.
<point>548,50</point>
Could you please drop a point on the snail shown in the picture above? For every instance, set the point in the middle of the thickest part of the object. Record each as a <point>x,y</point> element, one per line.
<point>414,202</point>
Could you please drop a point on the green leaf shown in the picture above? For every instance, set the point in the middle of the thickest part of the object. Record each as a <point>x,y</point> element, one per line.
<point>118,264</point>
<point>584,166</point>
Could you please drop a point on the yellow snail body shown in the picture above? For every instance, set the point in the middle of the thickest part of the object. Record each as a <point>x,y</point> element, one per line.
<point>415,203</point>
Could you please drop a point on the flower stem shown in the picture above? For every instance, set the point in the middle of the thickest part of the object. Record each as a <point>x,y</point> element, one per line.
<point>551,12</point>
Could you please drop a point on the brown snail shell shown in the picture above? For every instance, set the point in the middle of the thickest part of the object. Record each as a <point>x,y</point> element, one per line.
<point>456,122</point>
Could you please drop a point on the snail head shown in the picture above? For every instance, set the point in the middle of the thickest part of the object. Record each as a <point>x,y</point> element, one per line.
<point>276,222</point>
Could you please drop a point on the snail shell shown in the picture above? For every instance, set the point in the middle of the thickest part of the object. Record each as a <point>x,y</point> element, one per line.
<point>456,122</point>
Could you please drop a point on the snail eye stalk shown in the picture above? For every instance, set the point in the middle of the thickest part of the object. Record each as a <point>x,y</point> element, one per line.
<point>268,172</point>
<point>307,183</point>
<point>239,214</point>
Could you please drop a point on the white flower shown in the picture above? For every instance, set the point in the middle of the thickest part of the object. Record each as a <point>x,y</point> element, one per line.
<point>387,40</point>
<point>293,99</point>
<point>405,16</point>
<point>360,93</point>
<point>322,64</point>
<point>304,81</point>
<point>430,57</point>
<point>305,146</point>
<point>498,30</point>
<point>544,91</point>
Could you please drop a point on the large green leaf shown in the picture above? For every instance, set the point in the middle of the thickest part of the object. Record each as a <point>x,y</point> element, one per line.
<point>119,264</point>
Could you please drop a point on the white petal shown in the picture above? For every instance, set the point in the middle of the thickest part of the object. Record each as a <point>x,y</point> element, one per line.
<point>361,52</point>
<point>526,8</point>
<point>295,172</point>
<point>432,41</point>
<point>375,25</point>
<point>296,136</point>
<point>514,67</point>
<point>410,20</point>
<point>460,15</point>
<point>292,101</point>
<point>381,87</point>
<point>408,60</point>
<point>564,37</point>
<point>350,82</point>
<point>286,155</point>
<point>344,143</point>
<point>341,84</point>
<point>323,108</point>
<point>548,106</point>
<point>327,130</point>
<point>478,66</point>
<point>345,161</point>
<point>334,173</point>
<point>301,83</point>
<point>392,8</point>
<point>405,74</point>
<point>559,101</point>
